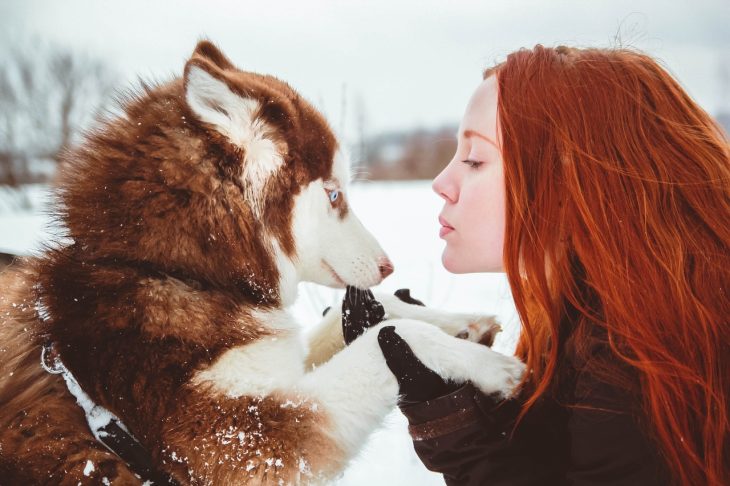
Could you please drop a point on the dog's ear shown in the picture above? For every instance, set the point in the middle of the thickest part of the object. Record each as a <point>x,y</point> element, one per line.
<point>212,100</point>
<point>210,95</point>
<point>209,51</point>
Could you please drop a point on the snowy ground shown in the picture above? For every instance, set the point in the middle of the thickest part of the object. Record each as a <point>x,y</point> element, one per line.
<point>402,216</point>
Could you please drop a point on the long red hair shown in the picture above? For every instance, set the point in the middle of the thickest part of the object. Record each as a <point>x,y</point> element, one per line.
<point>618,230</point>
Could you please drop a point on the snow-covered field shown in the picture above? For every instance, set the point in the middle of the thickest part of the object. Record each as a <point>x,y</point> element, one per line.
<point>402,216</point>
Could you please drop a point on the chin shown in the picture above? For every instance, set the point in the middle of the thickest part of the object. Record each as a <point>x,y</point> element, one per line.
<point>452,264</point>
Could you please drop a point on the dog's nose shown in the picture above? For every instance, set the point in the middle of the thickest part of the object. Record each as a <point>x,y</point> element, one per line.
<point>385,267</point>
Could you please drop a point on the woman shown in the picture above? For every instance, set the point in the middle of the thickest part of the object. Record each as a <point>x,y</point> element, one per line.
<point>603,191</point>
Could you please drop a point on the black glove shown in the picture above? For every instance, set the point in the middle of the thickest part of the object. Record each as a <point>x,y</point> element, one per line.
<point>405,296</point>
<point>416,381</point>
<point>360,311</point>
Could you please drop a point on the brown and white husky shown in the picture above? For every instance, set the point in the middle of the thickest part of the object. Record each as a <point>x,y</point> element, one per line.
<point>191,218</point>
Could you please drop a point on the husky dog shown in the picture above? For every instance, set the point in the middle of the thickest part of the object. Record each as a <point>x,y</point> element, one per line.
<point>191,218</point>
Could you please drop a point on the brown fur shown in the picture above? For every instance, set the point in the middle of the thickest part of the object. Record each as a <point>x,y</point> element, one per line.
<point>45,438</point>
<point>166,262</point>
<point>5,260</point>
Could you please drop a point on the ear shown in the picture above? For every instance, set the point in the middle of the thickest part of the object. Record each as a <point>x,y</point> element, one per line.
<point>207,50</point>
<point>212,100</point>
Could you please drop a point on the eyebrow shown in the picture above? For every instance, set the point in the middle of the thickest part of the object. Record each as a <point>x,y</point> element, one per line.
<point>473,133</point>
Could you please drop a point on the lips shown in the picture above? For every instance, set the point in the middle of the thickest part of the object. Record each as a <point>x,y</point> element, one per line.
<point>446,228</point>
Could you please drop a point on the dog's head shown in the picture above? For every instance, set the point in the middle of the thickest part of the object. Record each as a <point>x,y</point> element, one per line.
<point>223,176</point>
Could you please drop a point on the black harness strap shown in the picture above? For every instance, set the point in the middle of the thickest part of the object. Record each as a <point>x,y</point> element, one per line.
<point>130,451</point>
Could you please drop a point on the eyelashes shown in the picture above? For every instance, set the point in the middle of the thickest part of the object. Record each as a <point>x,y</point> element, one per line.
<point>473,164</point>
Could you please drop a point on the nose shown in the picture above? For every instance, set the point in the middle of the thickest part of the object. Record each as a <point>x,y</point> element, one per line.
<point>385,266</point>
<point>444,186</point>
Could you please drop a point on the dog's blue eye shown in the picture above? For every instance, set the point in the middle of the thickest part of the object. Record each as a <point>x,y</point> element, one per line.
<point>334,195</point>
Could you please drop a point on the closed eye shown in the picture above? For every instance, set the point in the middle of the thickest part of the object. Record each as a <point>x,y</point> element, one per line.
<point>473,164</point>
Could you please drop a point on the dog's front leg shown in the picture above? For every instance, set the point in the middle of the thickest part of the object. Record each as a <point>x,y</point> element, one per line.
<point>481,328</point>
<point>326,339</point>
<point>357,389</point>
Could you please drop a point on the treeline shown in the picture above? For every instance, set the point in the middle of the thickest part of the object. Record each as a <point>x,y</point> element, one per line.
<point>48,96</point>
<point>416,154</point>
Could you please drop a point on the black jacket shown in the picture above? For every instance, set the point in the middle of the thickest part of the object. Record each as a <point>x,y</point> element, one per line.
<point>597,440</point>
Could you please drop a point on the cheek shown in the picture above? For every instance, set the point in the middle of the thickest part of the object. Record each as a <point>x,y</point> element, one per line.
<point>490,232</point>
<point>483,208</point>
<point>309,220</point>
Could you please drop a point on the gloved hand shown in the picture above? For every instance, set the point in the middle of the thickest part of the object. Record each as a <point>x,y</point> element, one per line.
<point>405,296</point>
<point>360,311</point>
<point>416,381</point>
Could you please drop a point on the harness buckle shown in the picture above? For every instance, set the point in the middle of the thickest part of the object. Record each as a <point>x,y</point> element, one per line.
<point>50,359</point>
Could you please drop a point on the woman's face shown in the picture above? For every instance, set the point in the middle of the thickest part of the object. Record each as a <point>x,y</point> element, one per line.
<point>472,187</point>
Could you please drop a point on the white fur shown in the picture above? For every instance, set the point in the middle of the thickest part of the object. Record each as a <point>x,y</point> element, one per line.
<point>325,339</point>
<point>236,118</point>
<point>274,362</point>
<point>475,325</point>
<point>326,243</point>
<point>341,169</point>
<point>288,275</point>
<point>460,360</point>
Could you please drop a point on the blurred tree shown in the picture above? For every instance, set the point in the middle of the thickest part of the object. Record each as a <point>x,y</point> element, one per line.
<point>48,95</point>
<point>418,154</point>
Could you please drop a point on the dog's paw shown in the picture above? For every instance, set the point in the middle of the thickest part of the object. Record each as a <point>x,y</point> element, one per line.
<point>480,329</point>
<point>460,361</point>
<point>498,374</point>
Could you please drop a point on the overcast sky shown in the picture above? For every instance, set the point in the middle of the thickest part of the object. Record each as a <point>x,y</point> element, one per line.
<point>401,63</point>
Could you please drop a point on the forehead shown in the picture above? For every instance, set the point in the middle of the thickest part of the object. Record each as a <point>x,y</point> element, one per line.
<point>481,111</point>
